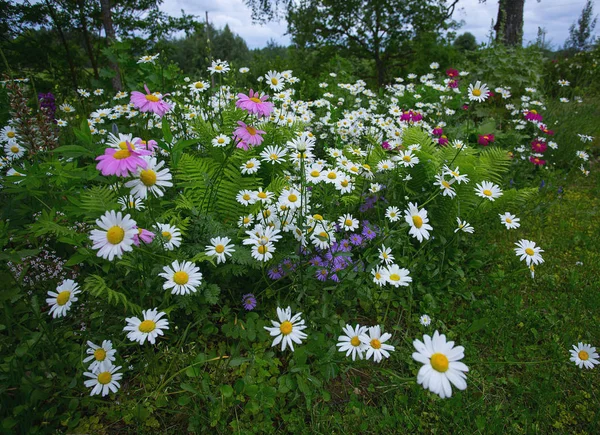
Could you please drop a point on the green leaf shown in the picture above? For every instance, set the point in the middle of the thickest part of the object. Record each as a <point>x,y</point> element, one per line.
<point>226,390</point>
<point>74,151</point>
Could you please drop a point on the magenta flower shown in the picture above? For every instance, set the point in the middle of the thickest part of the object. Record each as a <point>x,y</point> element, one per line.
<point>255,104</point>
<point>532,115</point>
<point>438,131</point>
<point>485,139</point>
<point>121,162</point>
<point>247,135</point>
<point>537,161</point>
<point>143,235</point>
<point>443,140</point>
<point>149,102</point>
<point>150,145</point>
<point>451,72</point>
<point>538,146</point>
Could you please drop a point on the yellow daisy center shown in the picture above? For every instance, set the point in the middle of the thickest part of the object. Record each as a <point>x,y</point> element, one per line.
<point>262,195</point>
<point>249,165</point>
<point>477,92</point>
<point>377,275</point>
<point>251,130</point>
<point>332,175</point>
<point>315,173</point>
<point>273,156</point>
<point>292,198</point>
<point>445,184</point>
<point>148,177</point>
<point>256,100</point>
<point>246,220</point>
<point>11,134</point>
<point>508,220</point>
<point>246,197</point>
<point>394,277</point>
<point>274,81</point>
<point>286,327</point>
<point>152,98</point>
<point>199,85</point>
<point>439,362</point>
<point>63,297</point>
<point>583,355</point>
<point>355,341</point>
<point>121,154</point>
<point>181,277</point>
<point>344,183</point>
<point>219,249</point>
<point>262,249</point>
<point>348,222</point>
<point>123,145</point>
<point>529,251</point>
<point>221,140</point>
<point>418,221</point>
<point>533,111</point>
<point>167,235</point>
<point>104,378</point>
<point>317,217</point>
<point>147,326</point>
<point>115,235</point>
<point>487,192</point>
<point>375,343</point>
<point>100,354</point>
<point>14,149</point>
<point>406,158</point>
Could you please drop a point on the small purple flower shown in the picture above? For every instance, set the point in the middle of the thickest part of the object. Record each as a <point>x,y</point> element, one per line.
<point>249,301</point>
<point>386,146</point>
<point>321,274</point>
<point>368,233</point>
<point>275,273</point>
<point>356,239</point>
<point>335,278</point>
<point>316,261</point>
<point>344,245</point>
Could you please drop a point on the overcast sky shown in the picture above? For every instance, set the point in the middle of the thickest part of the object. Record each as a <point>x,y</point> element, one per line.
<point>556,16</point>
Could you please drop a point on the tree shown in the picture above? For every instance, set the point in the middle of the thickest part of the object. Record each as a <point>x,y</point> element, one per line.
<point>580,33</point>
<point>466,42</point>
<point>379,30</point>
<point>509,22</point>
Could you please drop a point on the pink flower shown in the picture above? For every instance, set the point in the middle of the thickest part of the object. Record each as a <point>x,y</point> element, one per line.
<point>150,145</point>
<point>386,146</point>
<point>532,115</point>
<point>453,84</point>
<point>143,235</point>
<point>247,135</point>
<point>537,161</point>
<point>538,146</point>
<point>255,104</point>
<point>438,131</point>
<point>485,139</point>
<point>443,140</point>
<point>451,72</point>
<point>409,116</point>
<point>149,102</point>
<point>121,162</point>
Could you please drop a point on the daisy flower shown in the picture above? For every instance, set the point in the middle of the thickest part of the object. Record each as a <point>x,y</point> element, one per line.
<point>220,247</point>
<point>273,154</point>
<point>14,151</point>
<point>288,330</point>
<point>488,190</point>
<point>463,226</point>
<point>198,87</point>
<point>529,252</point>
<point>103,379</point>
<point>99,354</point>
<point>245,221</point>
<point>255,104</point>
<point>396,276</point>
<point>441,365</point>
<point>290,198</point>
<point>149,102</point>
<point>147,329</point>
<point>584,355</point>
<point>247,135</point>
<point>152,178</point>
<point>246,197</point>
<point>221,141</point>
<point>218,66</point>
<point>115,236</point>
<point>455,174</point>
<point>447,189</point>
<point>183,278</point>
<point>250,167</point>
<point>121,162</point>
<point>60,301</point>
<point>478,92</point>
<point>510,221</point>
<point>275,80</point>
<point>417,219</point>
<point>375,343</point>
<point>406,158</point>
<point>425,320</point>
<point>378,276</point>
<point>350,342</point>
<point>348,222</point>
<point>392,213</point>
<point>131,202</point>
<point>385,254</point>
<point>171,236</point>
<point>263,251</point>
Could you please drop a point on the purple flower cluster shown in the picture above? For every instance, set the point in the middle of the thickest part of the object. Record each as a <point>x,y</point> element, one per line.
<point>48,104</point>
<point>249,301</point>
<point>282,269</point>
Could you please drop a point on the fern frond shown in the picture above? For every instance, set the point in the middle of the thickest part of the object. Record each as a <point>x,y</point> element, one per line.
<point>97,287</point>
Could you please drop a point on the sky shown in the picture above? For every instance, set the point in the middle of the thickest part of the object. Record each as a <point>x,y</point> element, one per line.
<point>556,16</point>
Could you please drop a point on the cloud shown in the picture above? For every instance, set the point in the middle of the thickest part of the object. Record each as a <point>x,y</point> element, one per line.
<point>556,16</point>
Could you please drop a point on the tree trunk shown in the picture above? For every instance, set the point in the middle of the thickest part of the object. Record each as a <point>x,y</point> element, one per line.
<point>509,23</point>
<point>64,42</point>
<point>86,38</point>
<point>110,37</point>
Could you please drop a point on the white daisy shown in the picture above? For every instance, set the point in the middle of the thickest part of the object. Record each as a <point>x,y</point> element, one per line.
<point>171,236</point>
<point>221,141</point>
<point>529,252</point>
<point>488,190</point>
<point>378,276</point>
<point>131,202</point>
<point>8,135</point>
<point>392,213</point>
<point>348,223</point>
<point>246,197</point>
<point>151,327</point>
<point>417,219</point>
<point>406,158</point>
<point>245,221</point>
<point>250,167</point>
<point>263,251</point>
<point>218,66</point>
<point>60,301</point>
<point>104,379</point>
<point>455,174</point>
<point>350,342</point>
<point>425,320</point>
<point>478,92</point>
<point>115,236</point>
<point>584,355</point>
<point>152,179</point>
<point>13,150</point>
<point>385,254</point>
<point>396,276</point>
<point>375,343</point>
<point>441,365</point>
<point>273,154</point>
<point>288,330</point>
<point>99,354</point>
<point>198,87</point>
<point>183,278</point>
<point>463,226</point>
<point>290,199</point>
<point>510,221</point>
<point>446,186</point>
<point>275,80</point>
<point>220,247</point>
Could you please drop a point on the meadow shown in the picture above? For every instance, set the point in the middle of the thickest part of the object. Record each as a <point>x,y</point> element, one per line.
<point>247,251</point>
